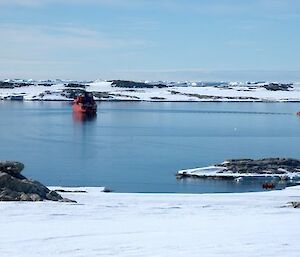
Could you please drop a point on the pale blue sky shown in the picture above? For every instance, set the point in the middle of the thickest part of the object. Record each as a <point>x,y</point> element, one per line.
<point>150,39</point>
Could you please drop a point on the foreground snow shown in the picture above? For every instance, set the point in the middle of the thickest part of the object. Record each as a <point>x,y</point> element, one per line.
<point>230,92</point>
<point>249,224</point>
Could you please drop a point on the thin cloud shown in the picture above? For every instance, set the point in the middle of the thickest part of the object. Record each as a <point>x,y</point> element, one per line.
<point>48,50</point>
<point>65,37</point>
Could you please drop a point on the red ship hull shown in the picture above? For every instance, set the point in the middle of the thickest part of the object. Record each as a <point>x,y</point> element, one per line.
<point>85,104</point>
<point>80,108</point>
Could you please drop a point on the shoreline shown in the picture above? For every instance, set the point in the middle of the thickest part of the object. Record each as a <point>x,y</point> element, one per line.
<point>100,189</point>
<point>156,101</point>
<point>147,92</point>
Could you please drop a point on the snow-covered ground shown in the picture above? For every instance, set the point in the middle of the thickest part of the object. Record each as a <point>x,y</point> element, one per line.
<point>248,224</point>
<point>194,92</point>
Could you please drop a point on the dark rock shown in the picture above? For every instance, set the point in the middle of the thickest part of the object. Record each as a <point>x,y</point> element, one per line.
<point>30,197</point>
<point>122,95</point>
<point>107,190</point>
<point>29,187</point>
<point>48,84</point>
<point>278,168</point>
<point>278,87</point>
<point>133,84</point>
<point>103,95</point>
<point>67,200</point>
<point>72,93</point>
<point>22,84</point>
<point>69,191</point>
<point>11,167</point>
<point>16,187</point>
<point>6,85</point>
<point>215,98</point>
<point>296,204</point>
<point>53,196</point>
<point>262,166</point>
<point>157,98</point>
<point>41,95</point>
<point>76,85</point>
<point>8,195</point>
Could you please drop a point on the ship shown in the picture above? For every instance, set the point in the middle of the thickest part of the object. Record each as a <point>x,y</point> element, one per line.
<point>85,103</point>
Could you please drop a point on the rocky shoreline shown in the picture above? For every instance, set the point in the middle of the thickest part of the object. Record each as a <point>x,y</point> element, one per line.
<point>155,91</point>
<point>282,168</point>
<point>16,187</point>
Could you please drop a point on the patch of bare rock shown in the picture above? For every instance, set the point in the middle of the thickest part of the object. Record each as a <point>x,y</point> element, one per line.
<point>16,187</point>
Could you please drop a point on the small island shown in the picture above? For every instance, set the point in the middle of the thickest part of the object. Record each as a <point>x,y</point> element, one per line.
<point>281,168</point>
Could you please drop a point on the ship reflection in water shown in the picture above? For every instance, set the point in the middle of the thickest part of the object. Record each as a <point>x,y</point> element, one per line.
<point>80,117</point>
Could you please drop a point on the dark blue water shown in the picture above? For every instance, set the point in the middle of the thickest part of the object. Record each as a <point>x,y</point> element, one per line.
<point>138,147</point>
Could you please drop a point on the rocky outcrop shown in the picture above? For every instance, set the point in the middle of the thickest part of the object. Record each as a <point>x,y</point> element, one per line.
<point>4,84</point>
<point>69,191</point>
<point>158,98</point>
<point>295,204</point>
<point>76,85</point>
<point>15,187</point>
<point>277,168</point>
<point>72,93</point>
<point>278,87</point>
<point>261,166</point>
<point>45,84</point>
<point>216,98</point>
<point>12,168</point>
<point>133,84</point>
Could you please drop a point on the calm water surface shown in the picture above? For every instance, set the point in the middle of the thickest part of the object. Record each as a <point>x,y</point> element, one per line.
<point>138,147</point>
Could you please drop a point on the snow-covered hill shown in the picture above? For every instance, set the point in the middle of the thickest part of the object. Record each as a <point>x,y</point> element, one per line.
<point>152,91</point>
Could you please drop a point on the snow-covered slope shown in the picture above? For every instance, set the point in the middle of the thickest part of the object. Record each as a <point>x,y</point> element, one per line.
<point>233,225</point>
<point>172,91</point>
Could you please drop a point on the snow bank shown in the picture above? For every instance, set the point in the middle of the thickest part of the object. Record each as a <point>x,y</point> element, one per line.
<point>248,224</point>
